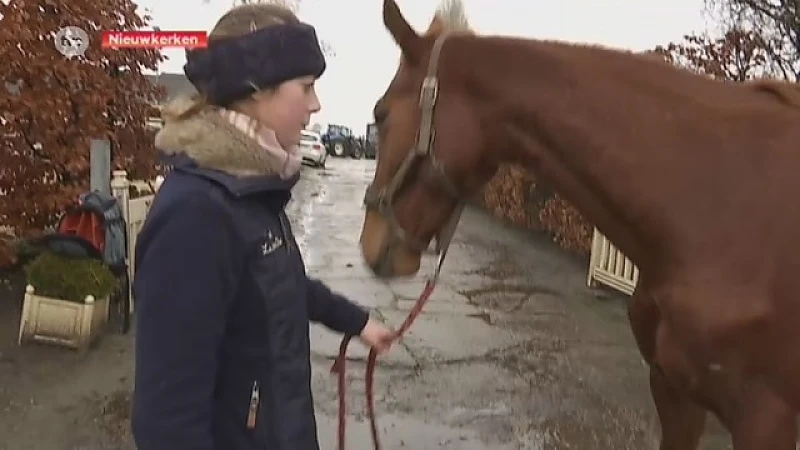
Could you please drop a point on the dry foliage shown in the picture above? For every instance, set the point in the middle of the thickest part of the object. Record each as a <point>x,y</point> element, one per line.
<point>738,55</point>
<point>570,230</point>
<point>51,106</point>
<point>514,196</point>
<point>506,195</point>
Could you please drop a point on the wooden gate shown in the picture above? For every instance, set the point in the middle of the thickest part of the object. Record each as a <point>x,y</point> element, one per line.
<point>135,211</point>
<point>610,267</point>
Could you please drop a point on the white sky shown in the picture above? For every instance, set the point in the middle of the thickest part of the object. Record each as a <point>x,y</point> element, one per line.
<point>366,58</point>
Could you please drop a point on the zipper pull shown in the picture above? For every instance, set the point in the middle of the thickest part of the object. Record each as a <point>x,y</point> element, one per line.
<point>253,410</point>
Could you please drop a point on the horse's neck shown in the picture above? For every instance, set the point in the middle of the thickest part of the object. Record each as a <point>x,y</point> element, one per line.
<point>584,133</point>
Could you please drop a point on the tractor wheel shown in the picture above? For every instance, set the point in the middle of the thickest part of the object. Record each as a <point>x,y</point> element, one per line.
<point>338,149</point>
<point>357,153</point>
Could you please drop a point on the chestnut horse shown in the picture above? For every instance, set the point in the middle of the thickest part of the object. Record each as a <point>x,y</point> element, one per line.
<point>683,173</point>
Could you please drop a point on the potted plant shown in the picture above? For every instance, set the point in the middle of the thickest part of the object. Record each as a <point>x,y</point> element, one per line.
<point>66,300</point>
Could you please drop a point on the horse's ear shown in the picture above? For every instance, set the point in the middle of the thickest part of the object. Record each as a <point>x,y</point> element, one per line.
<point>407,39</point>
<point>435,26</point>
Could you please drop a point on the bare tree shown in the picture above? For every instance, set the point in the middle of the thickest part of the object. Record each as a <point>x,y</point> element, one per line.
<point>777,21</point>
<point>738,55</point>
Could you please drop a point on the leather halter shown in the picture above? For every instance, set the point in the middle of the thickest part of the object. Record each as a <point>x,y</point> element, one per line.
<point>382,199</point>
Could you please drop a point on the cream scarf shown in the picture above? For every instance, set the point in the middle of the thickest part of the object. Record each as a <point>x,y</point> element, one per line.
<point>289,162</point>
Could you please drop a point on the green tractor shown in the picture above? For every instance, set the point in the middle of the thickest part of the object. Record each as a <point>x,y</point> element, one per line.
<point>340,142</point>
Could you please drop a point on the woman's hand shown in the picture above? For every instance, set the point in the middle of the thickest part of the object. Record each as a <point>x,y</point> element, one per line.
<point>376,335</point>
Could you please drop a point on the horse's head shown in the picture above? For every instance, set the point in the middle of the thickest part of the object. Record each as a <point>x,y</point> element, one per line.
<point>430,160</point>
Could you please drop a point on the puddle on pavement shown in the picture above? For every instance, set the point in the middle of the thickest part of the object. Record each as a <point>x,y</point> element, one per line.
<point>496,410</point>
<point>408,432</point>
<point>499,288</point>
<point>464,416</point>
<point>514,302</point>
<point>498,270</point>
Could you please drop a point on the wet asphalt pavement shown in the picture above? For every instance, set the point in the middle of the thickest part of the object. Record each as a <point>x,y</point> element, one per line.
<point>511,352</point>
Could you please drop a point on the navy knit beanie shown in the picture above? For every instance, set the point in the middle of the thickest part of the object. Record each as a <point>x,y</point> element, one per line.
<point>234,68</point>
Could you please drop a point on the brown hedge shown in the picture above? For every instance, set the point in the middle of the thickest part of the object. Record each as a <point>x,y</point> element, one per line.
<point>514,196</point>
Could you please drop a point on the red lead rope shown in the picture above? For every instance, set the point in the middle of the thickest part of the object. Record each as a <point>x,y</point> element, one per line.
<point>339,368</point>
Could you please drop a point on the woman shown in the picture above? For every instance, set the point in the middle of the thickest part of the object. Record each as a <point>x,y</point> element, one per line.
<point>222,341</point>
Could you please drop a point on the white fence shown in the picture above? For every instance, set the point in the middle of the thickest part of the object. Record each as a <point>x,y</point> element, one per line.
<point>609,266</point>
<point>135,211</point>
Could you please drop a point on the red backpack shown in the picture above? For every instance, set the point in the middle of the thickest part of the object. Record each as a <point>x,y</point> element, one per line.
<point>85,228</point>
<point>84,224</point>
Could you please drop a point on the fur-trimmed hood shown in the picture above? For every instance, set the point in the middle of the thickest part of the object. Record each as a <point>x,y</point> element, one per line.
<point>212,142</point>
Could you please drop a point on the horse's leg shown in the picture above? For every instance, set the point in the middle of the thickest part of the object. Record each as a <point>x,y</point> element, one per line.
<point>682,420</point>
<point>763,421</point>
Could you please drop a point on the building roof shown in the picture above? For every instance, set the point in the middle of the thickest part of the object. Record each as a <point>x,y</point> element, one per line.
<point>175,84</point>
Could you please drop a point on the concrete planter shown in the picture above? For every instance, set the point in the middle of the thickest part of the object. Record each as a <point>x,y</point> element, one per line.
<point>61,322</point>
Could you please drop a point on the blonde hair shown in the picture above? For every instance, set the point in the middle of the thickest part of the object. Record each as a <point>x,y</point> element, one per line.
<point>238,21</point>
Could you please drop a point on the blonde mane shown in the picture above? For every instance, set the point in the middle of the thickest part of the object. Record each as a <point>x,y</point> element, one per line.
<point>452,16</point>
